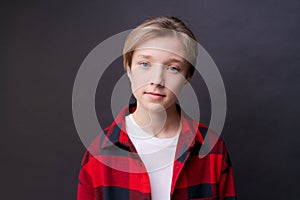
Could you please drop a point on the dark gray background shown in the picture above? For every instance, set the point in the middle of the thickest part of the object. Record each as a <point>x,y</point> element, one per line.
<point>254,43</point>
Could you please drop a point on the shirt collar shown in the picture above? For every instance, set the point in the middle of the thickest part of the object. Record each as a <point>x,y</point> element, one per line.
<point>115,134</point>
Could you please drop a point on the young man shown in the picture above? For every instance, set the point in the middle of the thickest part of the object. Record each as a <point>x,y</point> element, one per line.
<point>151,150</point>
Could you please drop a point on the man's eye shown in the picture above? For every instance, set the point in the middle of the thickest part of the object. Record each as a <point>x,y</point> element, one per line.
<point>173,68</point>
<point>144,64</point>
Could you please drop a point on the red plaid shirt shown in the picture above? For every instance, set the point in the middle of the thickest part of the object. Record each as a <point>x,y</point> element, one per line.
<point>111,168</point>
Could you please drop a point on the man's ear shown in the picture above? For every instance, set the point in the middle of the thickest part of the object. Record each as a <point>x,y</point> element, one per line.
<point>128,73</point>
<point>187,80</point>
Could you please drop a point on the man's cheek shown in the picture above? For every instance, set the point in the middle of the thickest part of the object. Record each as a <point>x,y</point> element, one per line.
<point>140,81</point>
<point>174,86</point>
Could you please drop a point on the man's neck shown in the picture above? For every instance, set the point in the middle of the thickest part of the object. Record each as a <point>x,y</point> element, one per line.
<point>161,124</point>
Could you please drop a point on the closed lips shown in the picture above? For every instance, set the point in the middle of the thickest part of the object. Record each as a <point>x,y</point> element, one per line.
<point>156,94</point>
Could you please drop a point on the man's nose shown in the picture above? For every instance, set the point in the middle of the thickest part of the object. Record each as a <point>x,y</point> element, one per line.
<point>157,75</point>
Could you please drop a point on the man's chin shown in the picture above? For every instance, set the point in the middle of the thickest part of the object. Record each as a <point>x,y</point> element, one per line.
<point>156,107</point>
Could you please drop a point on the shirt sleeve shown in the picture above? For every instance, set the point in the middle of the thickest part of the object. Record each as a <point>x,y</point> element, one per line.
<point>85,189</point>
<point>226,186</point>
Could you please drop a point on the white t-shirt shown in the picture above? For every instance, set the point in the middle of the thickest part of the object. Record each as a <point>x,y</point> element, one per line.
<point>158,156</point>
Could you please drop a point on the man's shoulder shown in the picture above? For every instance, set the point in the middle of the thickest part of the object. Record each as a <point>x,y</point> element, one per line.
<point>210,141</point>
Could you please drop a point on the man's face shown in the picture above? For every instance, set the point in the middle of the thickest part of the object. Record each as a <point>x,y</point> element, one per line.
<point>158,72</point>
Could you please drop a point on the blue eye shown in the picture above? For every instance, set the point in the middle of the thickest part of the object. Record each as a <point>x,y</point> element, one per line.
<point>173,68</point>
<point>144,64</point>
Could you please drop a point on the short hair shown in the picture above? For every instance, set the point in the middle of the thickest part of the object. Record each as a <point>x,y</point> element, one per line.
<point>159,27</point>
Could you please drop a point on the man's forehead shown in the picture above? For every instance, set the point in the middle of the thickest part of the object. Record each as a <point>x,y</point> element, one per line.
<point>149,56</point>
<point>168,44</point>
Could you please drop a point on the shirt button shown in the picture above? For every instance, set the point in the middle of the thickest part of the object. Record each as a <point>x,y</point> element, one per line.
<point>140,164</point>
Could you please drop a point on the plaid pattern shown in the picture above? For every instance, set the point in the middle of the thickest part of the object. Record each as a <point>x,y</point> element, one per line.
<point>107,173</point>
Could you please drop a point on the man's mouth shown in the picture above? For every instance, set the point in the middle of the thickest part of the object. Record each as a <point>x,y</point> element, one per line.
<point>155,94</point>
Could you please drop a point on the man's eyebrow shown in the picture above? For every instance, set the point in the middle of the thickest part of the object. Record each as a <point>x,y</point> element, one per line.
<point>169,60</point>
<point>176,60</point>
<point>144,56</point>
